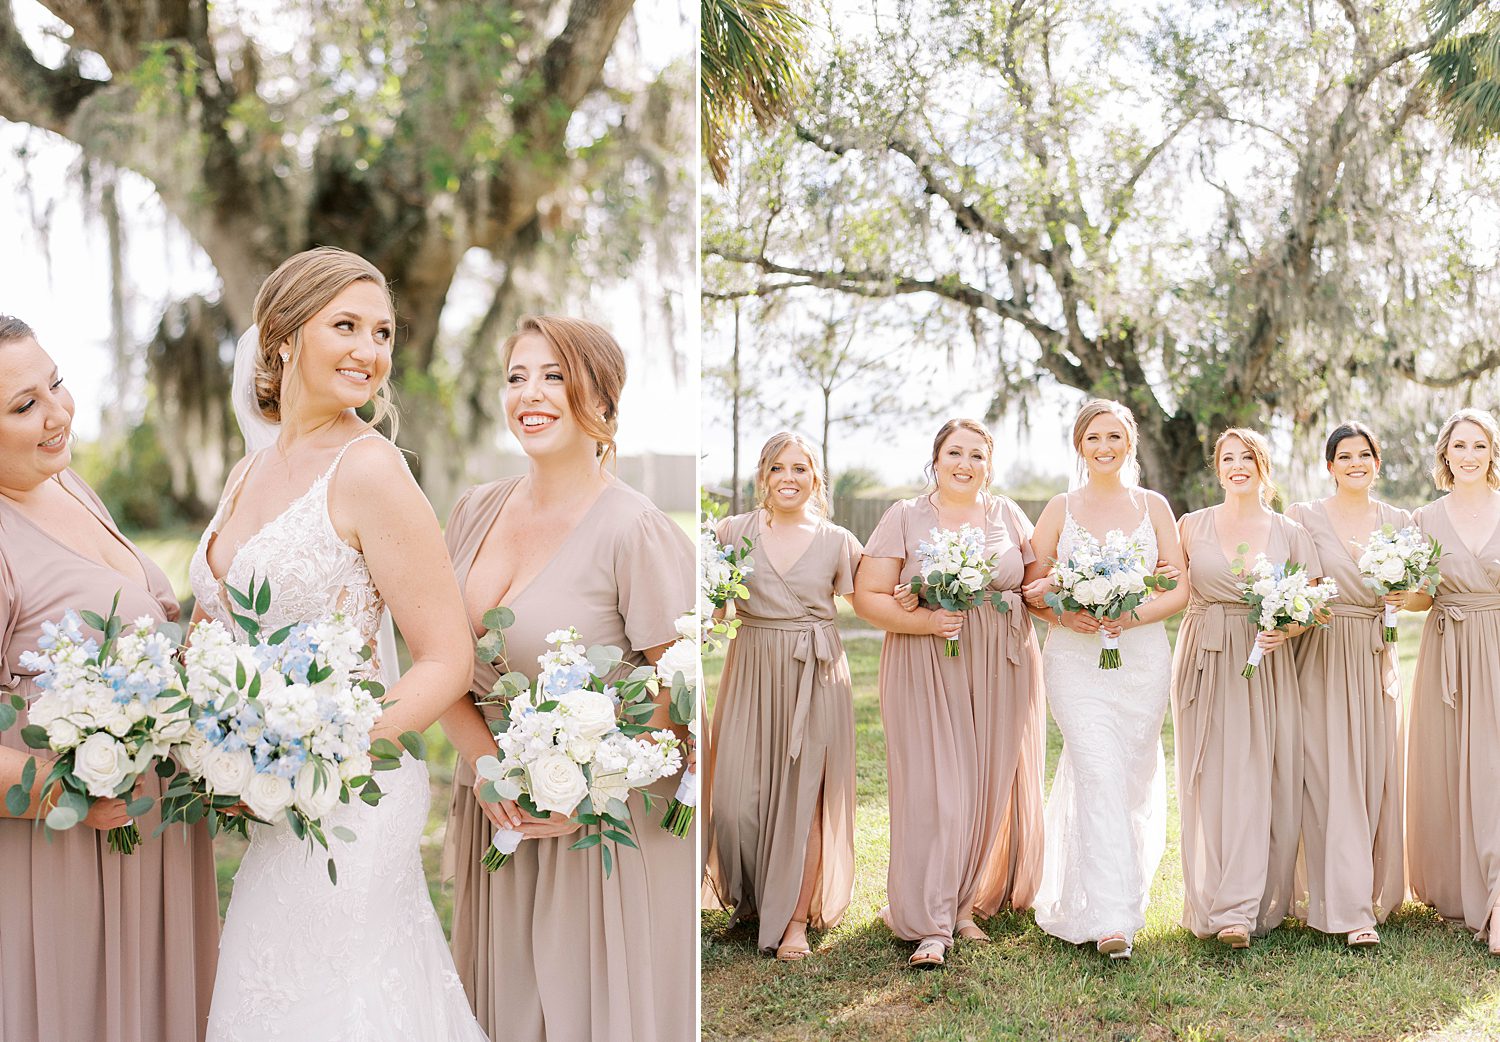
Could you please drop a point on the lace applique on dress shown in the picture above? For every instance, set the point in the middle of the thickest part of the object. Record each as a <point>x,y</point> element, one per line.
<point>300,957</point>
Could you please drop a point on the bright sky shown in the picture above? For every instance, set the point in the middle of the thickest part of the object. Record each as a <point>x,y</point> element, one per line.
<point>54,272</point>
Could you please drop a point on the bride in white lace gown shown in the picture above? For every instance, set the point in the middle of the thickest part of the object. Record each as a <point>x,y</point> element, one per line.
<point>1106,813</point>
<point>325,509</point>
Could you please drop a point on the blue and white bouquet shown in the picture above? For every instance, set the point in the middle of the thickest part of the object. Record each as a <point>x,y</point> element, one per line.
<point>1106,580</point>
<point>679,669</point>
<point>572,743</point>
<point>110,709</point>
<point>952,573</point>
<point>725,570</point>
<point>1279,596</point>
<point>1394,561</point>
<point>281,725</point>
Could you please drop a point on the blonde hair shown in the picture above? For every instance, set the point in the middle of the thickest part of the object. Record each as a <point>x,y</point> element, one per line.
<point>592,366</point>
<point>1260,449</point>
<point>768,453</point>
<point>299,288</point>
<point>946,431</point>
<point>12,328</point>
<point>1442,474</point>
<point>1130,470</point>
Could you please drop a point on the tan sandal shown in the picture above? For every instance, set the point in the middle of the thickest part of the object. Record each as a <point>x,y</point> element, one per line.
<point>1112,944</point>
<point>1366,938</point>
<point>970,932</point>
<point>929,954</point>
<point>794,952</point>
<point>1235,936</point>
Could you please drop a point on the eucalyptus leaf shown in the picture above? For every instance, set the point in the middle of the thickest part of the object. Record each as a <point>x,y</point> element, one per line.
<point>344,832</point>
<point>498,618</point>
<point>17,799</point>
<point>60,818</point>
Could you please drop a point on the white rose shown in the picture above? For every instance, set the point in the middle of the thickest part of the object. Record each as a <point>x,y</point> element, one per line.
<point>681,657</point>
<point>173,728</point>
<point>228,773</point>
<point>61,734</point>
<point>357,766</point>
<point>687,626</point>
<point>590,714</point>
<point>581,750</point>
<point>190,753</point>
<point>315,798</point>
<point>1391,571</point>
<point>101,763</point>
<point>556,783</point>
<point>268,795</point>
<point>118,723</point>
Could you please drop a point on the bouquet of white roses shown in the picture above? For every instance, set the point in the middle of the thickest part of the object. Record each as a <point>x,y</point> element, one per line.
<point>1280,595</point>
<point>679,667</point>
<point>952,573</point>
<point>280,724</point>
<point>573,743</point>
<point>1106,580</point>
<point>724,572</point>
<point>109,709</point>
<point>1393,561</point>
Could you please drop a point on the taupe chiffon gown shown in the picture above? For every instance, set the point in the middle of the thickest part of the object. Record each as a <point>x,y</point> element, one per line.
<point>1239,743</point>
<point>783,734</point>
<point>964,741</point>
<point>547,947</point>
<point>1353,744</point>
<point>1453,780</point>
<point>94,946</point>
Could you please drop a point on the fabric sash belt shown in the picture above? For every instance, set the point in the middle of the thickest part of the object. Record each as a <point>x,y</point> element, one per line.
<point>1213,615</point>
<point>1375,617</point>
<point>817,645</point>
<point>1452,611</point>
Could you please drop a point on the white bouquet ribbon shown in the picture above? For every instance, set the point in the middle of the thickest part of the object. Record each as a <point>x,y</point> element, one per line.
<point>687,789</point>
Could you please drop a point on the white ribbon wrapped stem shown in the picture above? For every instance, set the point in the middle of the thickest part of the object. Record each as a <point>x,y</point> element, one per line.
<point>687,789</point>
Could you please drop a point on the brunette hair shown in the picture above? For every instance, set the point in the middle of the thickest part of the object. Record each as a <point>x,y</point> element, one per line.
<point>943,434</point>
<point>1259,448</point>
<point>300,287</point>
<point>1442,474</point>
<point>768,453</point>
<point>1350,429</point>
<point>592,366</point>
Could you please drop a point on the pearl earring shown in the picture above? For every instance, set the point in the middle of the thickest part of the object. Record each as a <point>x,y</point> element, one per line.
<point>285,358</point>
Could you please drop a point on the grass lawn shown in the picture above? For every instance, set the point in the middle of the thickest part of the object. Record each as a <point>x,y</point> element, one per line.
<point>1428,980</point>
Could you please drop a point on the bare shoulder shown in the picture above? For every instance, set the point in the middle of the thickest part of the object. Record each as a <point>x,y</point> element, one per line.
<point>1052,512</point>
<point>1159,509</point>
<point>373,463</point>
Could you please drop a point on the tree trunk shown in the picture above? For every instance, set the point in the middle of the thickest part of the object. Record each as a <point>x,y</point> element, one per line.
<point>734,416</point>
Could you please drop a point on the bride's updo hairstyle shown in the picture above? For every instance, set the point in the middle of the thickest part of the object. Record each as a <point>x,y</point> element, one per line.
<point>297,290</point>
<point>593,368</point>
<point>960,423</point>
<point>1130,471</point>
<point>773,447</point>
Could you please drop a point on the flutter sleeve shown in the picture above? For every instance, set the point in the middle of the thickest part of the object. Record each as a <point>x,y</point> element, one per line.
<point>889,537</point>
<point>654,574</point>
<point>847,564</point>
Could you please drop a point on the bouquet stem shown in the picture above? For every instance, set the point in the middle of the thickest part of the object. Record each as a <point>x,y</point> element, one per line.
<point>950,648</point>
<point>684,806</point>
<point>1390,624</point>
<point>125,839</point>
<point>1109,654</point>
<point>502,847</point>
<point>1256,654</point>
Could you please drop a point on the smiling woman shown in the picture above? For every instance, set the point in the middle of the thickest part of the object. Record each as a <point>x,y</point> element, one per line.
<point>93,943</point>
<point>568,545</point>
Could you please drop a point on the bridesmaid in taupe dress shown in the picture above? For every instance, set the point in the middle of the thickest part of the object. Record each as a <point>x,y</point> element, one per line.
<point>1453,785</point>
<point>781,809</point>
<point>1352,736</point>
<point>1239,742</point>
<point>964,735</point>
<point>549,948</point>
<point>93,945</point>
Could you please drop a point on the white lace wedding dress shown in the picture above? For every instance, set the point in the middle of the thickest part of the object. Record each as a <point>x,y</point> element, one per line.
<point>303,959</point>
<point>1106,815</point>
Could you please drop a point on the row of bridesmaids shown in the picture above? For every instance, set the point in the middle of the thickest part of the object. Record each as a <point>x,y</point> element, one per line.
<point>99,946</point>
<point>1313,753</point>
